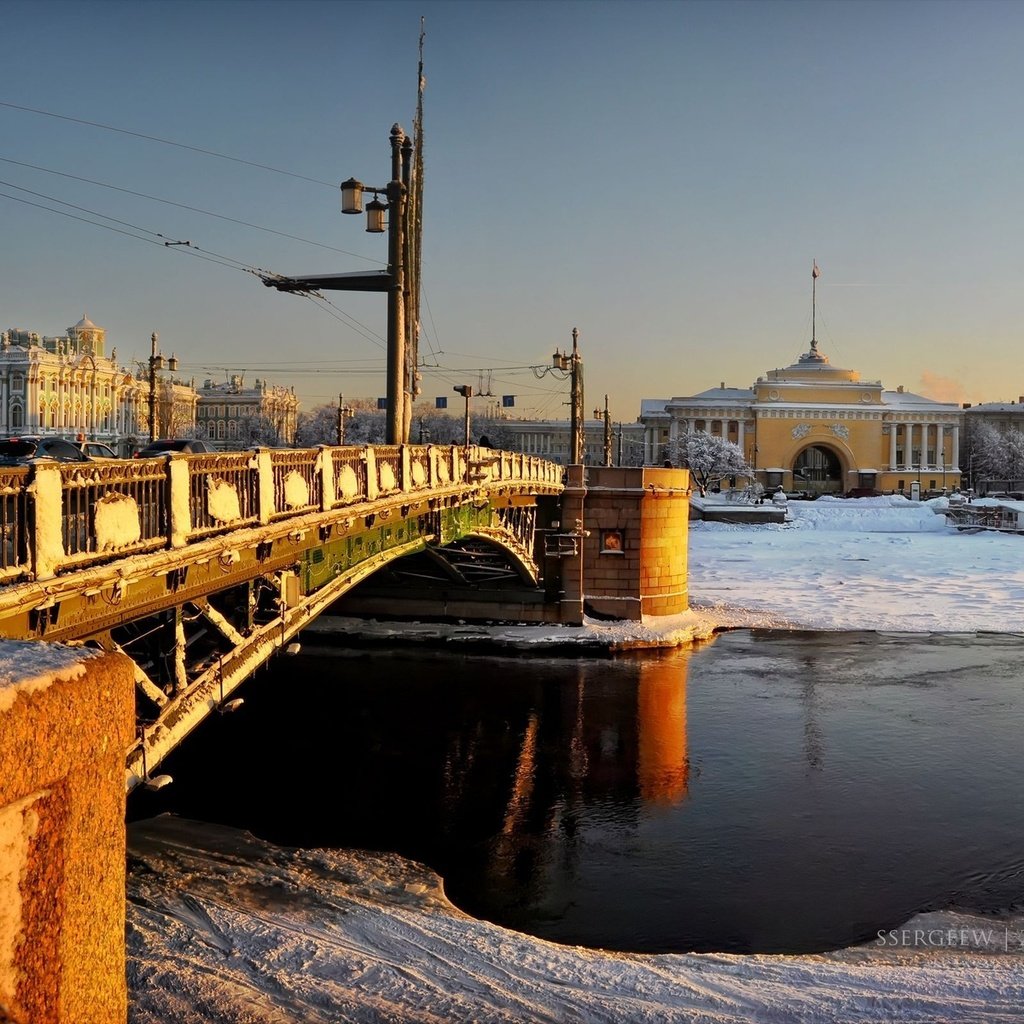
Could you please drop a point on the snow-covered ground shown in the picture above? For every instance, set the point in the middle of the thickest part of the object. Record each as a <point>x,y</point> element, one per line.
<point>225,928</point>
<point>872,563</point>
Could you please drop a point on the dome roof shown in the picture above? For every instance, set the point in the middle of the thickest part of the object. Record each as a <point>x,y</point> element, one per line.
<point>812,365</point>
<point>85,324</point>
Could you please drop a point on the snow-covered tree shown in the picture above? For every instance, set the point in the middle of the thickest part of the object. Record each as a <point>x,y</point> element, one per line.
<point>710,459</point>
<point>254,430</point>
<point>1013,456</point>
<point>986,452</point>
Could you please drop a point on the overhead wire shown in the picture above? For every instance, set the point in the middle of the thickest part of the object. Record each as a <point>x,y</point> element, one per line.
<point>186,206</point>
<point>167,142</point>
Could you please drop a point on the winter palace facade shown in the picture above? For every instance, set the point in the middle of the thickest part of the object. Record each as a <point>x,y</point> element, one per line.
<point>818,428</point>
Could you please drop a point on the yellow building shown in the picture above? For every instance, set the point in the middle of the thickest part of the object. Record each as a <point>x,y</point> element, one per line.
<point>819,428</point>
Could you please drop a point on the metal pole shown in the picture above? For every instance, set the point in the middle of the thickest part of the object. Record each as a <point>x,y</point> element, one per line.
<point>341,419</point>
<point>607,434</point>
<point>152,391</point>
<point>576,424</point>
<point>396,293</point>
<point>468,392</point>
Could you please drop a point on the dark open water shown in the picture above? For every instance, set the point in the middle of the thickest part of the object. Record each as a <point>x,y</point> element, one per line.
<point>767,792</point>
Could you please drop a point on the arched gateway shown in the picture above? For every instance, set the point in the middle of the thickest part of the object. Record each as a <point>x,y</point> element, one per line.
<point>819,470</point>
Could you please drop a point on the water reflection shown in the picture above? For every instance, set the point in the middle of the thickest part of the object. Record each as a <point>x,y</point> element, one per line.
<point>769,792</point>
<point>593,746</point>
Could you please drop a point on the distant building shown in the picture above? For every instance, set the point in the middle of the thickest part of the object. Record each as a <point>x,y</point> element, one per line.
<point>551,439</point>
<point>230,413</point>
<point>65,385</point>
<point>815,427</point>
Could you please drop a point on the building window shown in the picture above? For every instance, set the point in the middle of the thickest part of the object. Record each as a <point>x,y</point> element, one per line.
<point>17,382</point>
<point>17,417</point>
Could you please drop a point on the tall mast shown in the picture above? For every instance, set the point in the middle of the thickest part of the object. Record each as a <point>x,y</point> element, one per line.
<point>815,272</point>
<point>414,241</point>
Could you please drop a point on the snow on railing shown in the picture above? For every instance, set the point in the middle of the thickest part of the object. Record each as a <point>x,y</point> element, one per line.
<point>55,517</point>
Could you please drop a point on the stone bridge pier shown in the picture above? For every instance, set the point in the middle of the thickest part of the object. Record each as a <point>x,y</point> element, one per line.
<point>67,716</point>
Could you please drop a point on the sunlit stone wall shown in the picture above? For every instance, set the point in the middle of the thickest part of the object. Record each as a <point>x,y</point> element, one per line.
<point>634,559</point>
<point>66,720</point>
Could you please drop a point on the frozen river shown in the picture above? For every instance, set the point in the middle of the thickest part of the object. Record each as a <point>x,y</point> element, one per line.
<point>766,792</point>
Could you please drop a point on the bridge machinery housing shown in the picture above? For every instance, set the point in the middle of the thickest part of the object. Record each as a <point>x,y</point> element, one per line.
<point>200,567</point>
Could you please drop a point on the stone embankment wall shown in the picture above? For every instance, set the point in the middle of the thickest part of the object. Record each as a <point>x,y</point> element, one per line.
<point>66,720</point>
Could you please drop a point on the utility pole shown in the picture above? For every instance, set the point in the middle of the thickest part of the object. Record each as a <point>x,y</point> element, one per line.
<point>343,411</point>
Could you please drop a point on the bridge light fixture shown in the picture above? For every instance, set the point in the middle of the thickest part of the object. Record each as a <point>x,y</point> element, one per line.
<point>157,782</point>
<point>352,196</point>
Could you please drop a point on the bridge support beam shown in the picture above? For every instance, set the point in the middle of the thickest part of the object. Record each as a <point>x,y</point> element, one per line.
<point>66,719</point>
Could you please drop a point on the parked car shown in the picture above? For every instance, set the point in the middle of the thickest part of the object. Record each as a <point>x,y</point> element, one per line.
<point>17,451</point>
<point>171,445</point>
<point>96,449</point>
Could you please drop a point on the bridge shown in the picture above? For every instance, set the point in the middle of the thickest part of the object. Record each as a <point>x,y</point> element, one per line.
<point>200,567</point>
<point>188,573</point>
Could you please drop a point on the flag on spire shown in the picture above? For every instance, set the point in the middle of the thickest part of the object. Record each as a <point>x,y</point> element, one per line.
<point>815,272</point>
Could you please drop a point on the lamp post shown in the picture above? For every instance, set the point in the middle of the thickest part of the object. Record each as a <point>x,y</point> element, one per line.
<point>343,411</point>
<point>394,280</point>
<point>467,393</point>
<point>156,362</point>
<point>607,433</point>
<point>574,364</point>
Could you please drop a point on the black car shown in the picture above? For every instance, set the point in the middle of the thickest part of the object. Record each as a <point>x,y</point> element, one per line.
<point>170,446</point>
<point>16,451</point>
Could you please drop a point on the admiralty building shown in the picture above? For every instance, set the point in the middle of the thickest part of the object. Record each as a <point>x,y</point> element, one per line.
<point>817,428</point>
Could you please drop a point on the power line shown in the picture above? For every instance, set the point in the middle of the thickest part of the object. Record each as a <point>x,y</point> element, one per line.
<point>167,142</point>
<point>185,206</point>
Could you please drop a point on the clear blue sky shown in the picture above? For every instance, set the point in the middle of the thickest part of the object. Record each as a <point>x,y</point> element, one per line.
<point>659,175</point>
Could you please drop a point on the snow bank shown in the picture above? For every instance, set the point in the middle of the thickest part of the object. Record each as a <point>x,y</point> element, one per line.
<point>890,514</point>
<point>224,927</point>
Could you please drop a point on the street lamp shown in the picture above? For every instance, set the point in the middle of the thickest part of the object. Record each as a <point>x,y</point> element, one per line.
<point>607,432</point>
<point>398,280</point>
<point>467,393</point>
<point>574,364</point>
<point>157,362</point>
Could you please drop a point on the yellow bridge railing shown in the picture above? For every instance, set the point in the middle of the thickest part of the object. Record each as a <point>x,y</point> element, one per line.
<point>57,517</point>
